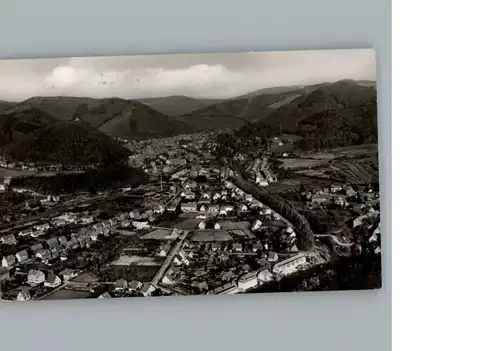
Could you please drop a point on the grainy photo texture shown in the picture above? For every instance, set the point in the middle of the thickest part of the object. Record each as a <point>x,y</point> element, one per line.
<point>205,174</point>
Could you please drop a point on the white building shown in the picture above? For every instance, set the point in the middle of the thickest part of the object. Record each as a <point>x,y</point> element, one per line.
<point>8,261</point>
<point>35,277</point>
<point>248,281</point>
<point>140,225</point>
<point>188,207</point>
<point>290,265</point>
<point>52,281</point>
<point>24,294</point>
<point>257,224</point>
<point>264,276</point>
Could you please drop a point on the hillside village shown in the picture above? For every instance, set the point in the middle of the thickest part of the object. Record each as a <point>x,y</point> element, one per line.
<point>186,226</point>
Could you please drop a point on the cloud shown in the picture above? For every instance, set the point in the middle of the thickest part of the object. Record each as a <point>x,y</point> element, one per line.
<point>220,76</point>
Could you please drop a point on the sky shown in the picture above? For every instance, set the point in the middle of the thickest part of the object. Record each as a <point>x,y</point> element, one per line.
<point>197,75</point>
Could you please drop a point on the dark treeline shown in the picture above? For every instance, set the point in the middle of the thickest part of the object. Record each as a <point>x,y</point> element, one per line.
<point>92,181</point>
<point>345,273</point>
<point>334,128</point>
<point>305,235</point>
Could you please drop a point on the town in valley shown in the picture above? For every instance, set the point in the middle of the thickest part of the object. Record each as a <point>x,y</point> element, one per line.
<point>264,192</point>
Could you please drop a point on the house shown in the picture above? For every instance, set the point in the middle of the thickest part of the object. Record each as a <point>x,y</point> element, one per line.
<point>43,254</point>
<point>237,247</point>
<point>266,211</point>
<point>227,276</point>
<point>164,250</point>
<point>189,195</point>
<point>58,222</point>
<point>264,183</point>
<point>256,247</point>
<point>188,207</point>
<point>264,276</point>
<point>290,265</point>
<point>25,232</point>
<point>105,295</point>
<point>134,214</point>
<point>52,242</point>
<point>4,275</point>
<point>257,224</point>
<point>340,200</point>
<point>62,239</point>
<point>139,225</point>
<point>159,209</point>
<point>205,196</point>
<point>177,161</point>
<point>243,208</point>
<point>52,281</point>
<point>319,198</point>
<point>121,285</point>
<point>55,251</point>
<point>22,256</point>
<point>191,184</point>
<point>227,208</point>
<point>226,289</point>
<point>359,221</point>
<point>37,233</point>
<point>294,249</point>
<point>216,246</point>
<point>214,208</point>
<point>334,188</point>
<point>72,244</point>
<point>63,254</point>
<point>8,261</point>
<point>24,294</point>
<point>107,223</point>
<point>94,236</point>
<point>202,225</point>
<point>147,289</point>
<point>44,226</point>
<point>82,240</point>
<point>37,247</point>
<point>135,285</point>
<point>216,196</point>
<point>203,208</point>
<point>167,280</point>
<point>68,274</point>
<point>272,256</point>
<point>248,281</point>
<point>217,225</point>
<point>8,239</point>
<point>350,192</point>
<point>35,277</point>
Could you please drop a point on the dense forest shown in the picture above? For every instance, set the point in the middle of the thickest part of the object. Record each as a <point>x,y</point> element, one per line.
<point>95,180</point>
<point>68,143</point>
<point>345,273</point>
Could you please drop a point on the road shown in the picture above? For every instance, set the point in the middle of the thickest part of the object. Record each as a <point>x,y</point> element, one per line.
<point>335,239</point>
<point>62,286</point>
<point>168,260</point>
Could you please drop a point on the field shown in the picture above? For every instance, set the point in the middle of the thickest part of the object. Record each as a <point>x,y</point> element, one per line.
<point>346,152</point>
<point>135,261</point>
<point>357,171</point>
<point>9,172</point>
<point>294,163</point>
<point>211,235</point>
<point>159,234</point>
<point>65,294</point>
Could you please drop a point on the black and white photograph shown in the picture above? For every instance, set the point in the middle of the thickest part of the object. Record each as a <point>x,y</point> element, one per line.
<point>189,174</point>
